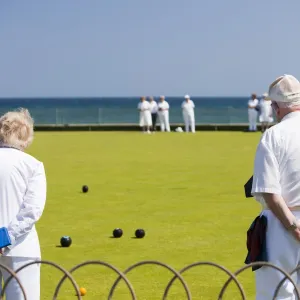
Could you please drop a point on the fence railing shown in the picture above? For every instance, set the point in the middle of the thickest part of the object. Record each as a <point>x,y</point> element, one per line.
<point>118,115</point>
<point>176,275</point>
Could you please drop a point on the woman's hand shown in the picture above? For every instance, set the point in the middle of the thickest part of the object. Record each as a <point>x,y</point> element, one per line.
<point>296,231</point>
<point>296,234</point>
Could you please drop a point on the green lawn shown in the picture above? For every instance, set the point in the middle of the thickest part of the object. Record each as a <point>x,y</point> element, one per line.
<point>185,190</point>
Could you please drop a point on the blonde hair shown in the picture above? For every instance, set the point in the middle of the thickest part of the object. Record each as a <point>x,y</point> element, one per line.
<point>16,129</point>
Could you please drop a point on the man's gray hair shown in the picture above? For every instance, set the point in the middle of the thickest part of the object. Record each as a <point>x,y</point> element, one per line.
<point>16,129</point>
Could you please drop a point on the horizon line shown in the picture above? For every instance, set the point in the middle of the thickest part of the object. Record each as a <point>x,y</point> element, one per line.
<point>97,97</point>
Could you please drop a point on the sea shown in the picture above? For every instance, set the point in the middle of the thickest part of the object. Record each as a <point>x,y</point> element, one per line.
<point>123,110</point>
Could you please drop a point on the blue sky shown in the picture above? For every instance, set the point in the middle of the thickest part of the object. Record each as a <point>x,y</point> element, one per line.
<point>146,47</point>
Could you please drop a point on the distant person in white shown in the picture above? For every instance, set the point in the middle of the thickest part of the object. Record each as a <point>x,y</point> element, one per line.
<point>154,110</point>
<point>145,115</point>
<point>252,112</point>
<point>266,113</point>
<point>22,201</point>
<point>276,185</point>
<point>188,114</point>
<point>163,113</point>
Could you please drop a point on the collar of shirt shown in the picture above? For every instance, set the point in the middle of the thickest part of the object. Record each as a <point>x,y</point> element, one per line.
<point>7,146</point>
<point>292,114</point>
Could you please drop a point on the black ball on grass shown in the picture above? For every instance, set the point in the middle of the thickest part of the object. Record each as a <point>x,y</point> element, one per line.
<point>140,233</point>
<point>65,241</point>
<point>117,233</point>
<point>85,189</point>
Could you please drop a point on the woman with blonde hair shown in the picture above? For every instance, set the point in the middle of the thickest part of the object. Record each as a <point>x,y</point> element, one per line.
<point>22,202</point>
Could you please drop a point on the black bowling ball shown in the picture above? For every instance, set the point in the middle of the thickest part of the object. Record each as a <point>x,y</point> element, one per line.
<point>65,241</point>
<point>85,189</point>
<point>140,233</point>
<point>117,233</point>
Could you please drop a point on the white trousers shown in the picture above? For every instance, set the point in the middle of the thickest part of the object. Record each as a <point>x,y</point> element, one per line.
<point>29,278</point>
<point>252,116</point>
<point>164,121</point>
<point>189,121</point>
<point>284,252</point>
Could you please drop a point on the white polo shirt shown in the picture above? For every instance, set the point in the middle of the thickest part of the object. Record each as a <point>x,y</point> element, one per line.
<point>253,103</point>
<point>188,107</point>
<point>277,161</point>
<point>164,105</point>
<point>145,105</point>
<point>153,107</point>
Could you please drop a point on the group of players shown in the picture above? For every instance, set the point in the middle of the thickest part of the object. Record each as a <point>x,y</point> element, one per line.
<point>261,110</point>
<point>151,111</point>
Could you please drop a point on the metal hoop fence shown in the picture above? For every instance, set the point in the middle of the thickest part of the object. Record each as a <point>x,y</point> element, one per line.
<point>122,276</point>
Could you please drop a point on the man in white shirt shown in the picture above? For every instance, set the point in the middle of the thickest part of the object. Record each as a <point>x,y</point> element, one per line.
<point>188,113</point>
<point>22,202</point>
<point>276,185</point>
<point>163,113</point>
<point>153,109</point>
<point>145,115</point>
<point>252,112</point>
<point>266,113</point>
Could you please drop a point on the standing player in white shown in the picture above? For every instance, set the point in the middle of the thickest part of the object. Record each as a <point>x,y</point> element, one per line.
<point>145,115</point>
<point>266,113</point>
<point>252,112</point>
<point>188,113</point>
<point>163,113</point>
<point>22,202</point>
<point>276,185</point>
<point>153,109</point>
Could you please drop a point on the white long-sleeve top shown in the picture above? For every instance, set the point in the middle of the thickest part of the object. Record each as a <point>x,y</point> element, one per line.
<point>22,200</point>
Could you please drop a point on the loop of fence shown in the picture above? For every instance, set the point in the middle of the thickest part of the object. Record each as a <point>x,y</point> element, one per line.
<point>281,282</point>
<point>98,262</point>
<point>262,264</point>
<point>122,275</point>
<point>200,263</point>
<point>13,275</point>
<point>46,262</point>
<point>153,262</point>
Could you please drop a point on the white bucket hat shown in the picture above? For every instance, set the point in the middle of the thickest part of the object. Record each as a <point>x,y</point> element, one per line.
<point>187,97</point>
<point>285,88</point>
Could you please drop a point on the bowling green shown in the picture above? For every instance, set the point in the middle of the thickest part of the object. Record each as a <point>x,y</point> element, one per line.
<point>184,190</point>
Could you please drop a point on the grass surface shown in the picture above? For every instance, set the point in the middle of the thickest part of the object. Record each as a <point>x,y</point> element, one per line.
<point>185,190</point>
